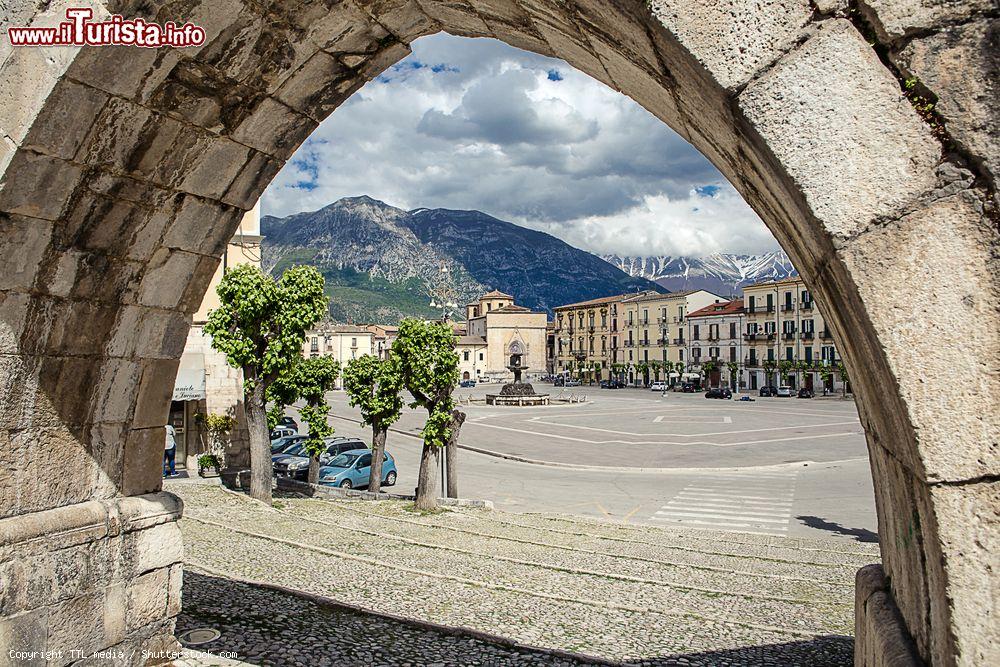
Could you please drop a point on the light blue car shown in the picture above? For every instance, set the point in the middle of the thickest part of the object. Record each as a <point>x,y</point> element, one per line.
<point>352,470</point>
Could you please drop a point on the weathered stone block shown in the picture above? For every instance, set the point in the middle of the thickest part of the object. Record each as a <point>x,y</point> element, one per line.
<point>23,245</point>
<point>317,88</point>
<point>147,599</point>
<point>202,226</point>
<point>253,178</point>
<point>154,548</point>
<point>404,18</point>
<point>733,39</point>
<point>31,173</point>
<point>961,65</point>
<point>70,113</point>
<point>142,470</point>
<point>13,312</point>
<point>959,303</point>
<point>77,624</point>
<point>155,389</point>
<point>896,18</point>
<point>215,168</point>
<point>274,128</point>
<point>834,117</point>
<point>115,390</point>
<point>458,17</point>
<point>25,632</point>
<point>167,275</point>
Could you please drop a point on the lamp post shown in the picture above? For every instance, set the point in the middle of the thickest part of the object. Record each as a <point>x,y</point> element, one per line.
<point>442,292</point>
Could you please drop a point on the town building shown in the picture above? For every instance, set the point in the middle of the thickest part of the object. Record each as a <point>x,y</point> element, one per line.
<point>343,342</point>
<point>787,339</point>
<point>383,336</point>
<point>205,382</point>
<point>495,326</point>
<point>715,335</point>
<point>585,337</point>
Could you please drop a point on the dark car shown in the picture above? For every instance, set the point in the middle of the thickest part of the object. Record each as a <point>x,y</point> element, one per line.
<point>688,388</point>
<point>719,392</point>
<point>288,422</point>
<point>560,381</point>
<point>294,461</point>
<point>768,390</point>
<point>611,384</point>
<point>805,393</point>
<point>467,383</point>
<point>281,444</point>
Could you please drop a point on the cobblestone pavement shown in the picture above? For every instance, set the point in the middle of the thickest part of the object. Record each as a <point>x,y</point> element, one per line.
<point>623,593</point>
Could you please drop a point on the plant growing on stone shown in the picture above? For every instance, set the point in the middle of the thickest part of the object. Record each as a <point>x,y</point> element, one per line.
<point>374,385</point>
<point>260,326</point>
<point>428,367</point>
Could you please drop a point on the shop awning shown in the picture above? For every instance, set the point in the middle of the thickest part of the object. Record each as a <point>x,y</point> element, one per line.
<point>190,382</point>
<point>675,375</point>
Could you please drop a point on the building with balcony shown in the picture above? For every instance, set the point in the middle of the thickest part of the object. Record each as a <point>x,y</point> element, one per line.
<point>586,336</point>
<point>783,329</point>
<point>715,334</point>
<point>343,342</point>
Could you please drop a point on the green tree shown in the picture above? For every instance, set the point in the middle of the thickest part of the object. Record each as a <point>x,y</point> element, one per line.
<point>428,367</point>
<point>374,385</point>
<point>707,368</point>
<point>313,378</point>
<point>785,367</point>
<point>655,365</point>
<point>803,368</point>
<point>842,371</point>
<point>597,371</point>
<point>826,373</point>
<point>769,367</point>
<point>734,369</point>
<point>260,326</point>
<point>642,368</point>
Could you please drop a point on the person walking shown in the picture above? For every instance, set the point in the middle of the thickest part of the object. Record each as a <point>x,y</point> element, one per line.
<point>169,453</point>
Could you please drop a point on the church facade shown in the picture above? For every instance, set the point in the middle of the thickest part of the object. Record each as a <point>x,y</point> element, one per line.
<point>496,329</point>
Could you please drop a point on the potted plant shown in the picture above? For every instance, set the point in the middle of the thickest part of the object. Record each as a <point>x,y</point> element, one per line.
<point>209,465</point>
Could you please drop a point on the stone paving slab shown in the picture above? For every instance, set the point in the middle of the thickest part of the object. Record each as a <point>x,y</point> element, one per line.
<point>373,554</point>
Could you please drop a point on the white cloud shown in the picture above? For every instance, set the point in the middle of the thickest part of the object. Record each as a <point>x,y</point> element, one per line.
<point>476,124</point>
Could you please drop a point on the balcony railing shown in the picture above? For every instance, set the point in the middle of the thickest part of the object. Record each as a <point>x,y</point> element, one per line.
<point>807,305</point>
<point>807,335</point>
<point>590,328</point>
<point>788,335</point>
<point>768,309</point>
<point>662,341</point>
<point>678,341</point>
<point>826,335</point>
<point>628,343</point>
<point>751,363</point>
<point>758,336</point>
<point>712,337</point>
<point>787,307</point>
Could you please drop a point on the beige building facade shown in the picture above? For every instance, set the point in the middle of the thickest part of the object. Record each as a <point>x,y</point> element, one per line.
<point>784,326</point>
<point>715,335</point>
<point>495,327</point>
<point>585,337</point>
<point>205,382</point>
<point>652,333</point>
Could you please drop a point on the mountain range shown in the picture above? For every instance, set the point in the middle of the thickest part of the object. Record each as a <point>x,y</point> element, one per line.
<point>378,259</point>
<point>723,274</point>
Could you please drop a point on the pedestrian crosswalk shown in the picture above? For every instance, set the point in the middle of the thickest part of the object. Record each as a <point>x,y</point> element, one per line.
<point>753,502</point>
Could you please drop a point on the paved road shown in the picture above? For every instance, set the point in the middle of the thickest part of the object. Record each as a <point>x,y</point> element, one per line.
<point>827,493</point>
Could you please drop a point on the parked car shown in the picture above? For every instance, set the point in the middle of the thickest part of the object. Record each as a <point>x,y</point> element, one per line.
<point>352,470</point>
<point>288,422</point>
<point>784,391</point>
<point>559,381</point>
<point>805,393</point>
<point>719,392</point>
<point>572,383</point>
<point>282,432</point>
<point>611,384</point>
<point>658,386</point>
<point>768,390</point>
<point>294,460</point>
<point>467,383</point>
<point>688,388</point>
<point>281,444</point>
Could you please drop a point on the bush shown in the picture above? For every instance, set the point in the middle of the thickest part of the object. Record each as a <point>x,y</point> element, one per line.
<point>209,461</point>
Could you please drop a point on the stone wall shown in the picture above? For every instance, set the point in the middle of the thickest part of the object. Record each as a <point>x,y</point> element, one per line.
<point>113,158</point>
<point>94,576</point>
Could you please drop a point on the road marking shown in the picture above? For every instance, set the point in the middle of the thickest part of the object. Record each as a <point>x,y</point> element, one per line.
<point>604,511</point>
<point>735,501</point>
<point>705,443</point>
<point>660,419</point>
<point>632,512</point>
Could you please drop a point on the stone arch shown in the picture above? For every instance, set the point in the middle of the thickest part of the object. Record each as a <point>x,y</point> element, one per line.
<point>125,172</point>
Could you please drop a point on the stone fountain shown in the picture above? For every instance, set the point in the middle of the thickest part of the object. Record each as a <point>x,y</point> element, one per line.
<point>517,392</point>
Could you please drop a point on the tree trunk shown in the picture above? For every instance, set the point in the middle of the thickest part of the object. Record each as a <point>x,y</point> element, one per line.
<point>457,419</point>
<point>427,479</point>
<point>378,450</point>
<point>313,469</point>
<point>260,448</point>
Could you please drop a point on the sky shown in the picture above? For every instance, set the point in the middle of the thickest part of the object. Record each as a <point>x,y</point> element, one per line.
<point>475,124</point>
